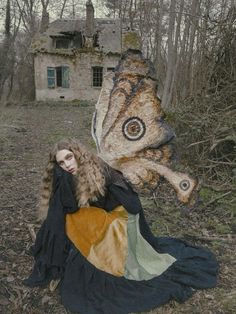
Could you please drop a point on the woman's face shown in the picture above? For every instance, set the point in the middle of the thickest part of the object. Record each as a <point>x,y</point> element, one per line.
<point>66,160</point>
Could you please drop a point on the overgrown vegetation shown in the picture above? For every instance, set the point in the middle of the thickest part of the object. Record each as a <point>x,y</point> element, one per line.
<point>206,145</point>
<point>206,133</point>
<point>25,141</point>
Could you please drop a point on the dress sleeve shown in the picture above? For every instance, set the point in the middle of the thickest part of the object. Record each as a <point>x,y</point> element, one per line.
<point>124,193</point>
<point>51,247</point>
<point>67,193</point>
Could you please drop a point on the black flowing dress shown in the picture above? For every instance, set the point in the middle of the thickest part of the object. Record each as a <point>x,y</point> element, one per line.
<point>107,258</point>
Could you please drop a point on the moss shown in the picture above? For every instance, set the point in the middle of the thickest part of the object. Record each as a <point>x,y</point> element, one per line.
<point>230,305</point>
<point>230,205</point>
<point>92,144</point>
<point>147,202</point>
<point>207,194</point>
<point>131,40</point>
<point>160,227</point>
<point>55,137</point>
<point>84,103</point>
<point>7,173</point>
<point>222,229</point>
<point>170,117</point>
<point>38,42</point>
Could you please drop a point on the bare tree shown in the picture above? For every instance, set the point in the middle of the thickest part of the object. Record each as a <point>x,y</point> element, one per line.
<point>45,16</point>
<point>5,55</point>
<point>63,8</point>
<point>170,56</point>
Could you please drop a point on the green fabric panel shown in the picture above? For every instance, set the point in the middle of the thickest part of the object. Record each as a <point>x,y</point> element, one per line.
<point>143,262</point>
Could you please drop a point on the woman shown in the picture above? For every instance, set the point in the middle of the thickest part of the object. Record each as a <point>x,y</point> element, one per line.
<point>96,241</point>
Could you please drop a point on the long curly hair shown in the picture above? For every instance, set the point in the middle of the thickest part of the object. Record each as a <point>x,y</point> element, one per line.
<point>89,180</point>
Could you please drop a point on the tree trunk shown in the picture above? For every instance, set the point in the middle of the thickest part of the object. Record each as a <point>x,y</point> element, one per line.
<point>158,44</point>
<point>45,16</point>
<point>5,56</point>
<point>63,8</point>
<point>170,58</point>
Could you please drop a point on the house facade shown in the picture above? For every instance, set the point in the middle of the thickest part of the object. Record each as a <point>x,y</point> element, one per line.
<point>72,56</point>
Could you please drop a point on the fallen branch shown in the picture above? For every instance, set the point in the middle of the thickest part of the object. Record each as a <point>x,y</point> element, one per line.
<point>155,200</point>
<point>222,162</point>
<point>32,232</point>
<point>197,143</point>
<point>6,206</point>
<point>218,188</point>
<point>208,239</point>
<point>215,199</point>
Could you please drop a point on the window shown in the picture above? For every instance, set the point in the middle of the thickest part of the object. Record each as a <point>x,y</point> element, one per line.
<point>51,78</point>
<point>63,43</point>
<point>78,40</point>
<point>58,77</point>
<point>110,69</point>
<point>95,40</point>
<point>97,76</point>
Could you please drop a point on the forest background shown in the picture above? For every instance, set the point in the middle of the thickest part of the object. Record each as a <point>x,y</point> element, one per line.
<point>191,43</point>
<point>193,47</point>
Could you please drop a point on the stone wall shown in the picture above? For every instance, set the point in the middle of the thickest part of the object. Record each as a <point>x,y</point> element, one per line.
<point>80,77</point>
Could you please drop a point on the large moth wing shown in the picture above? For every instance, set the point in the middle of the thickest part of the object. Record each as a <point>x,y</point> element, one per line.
<point>130,131</point>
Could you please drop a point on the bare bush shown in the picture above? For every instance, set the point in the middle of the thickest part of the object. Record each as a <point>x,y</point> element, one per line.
<point>206,128</point>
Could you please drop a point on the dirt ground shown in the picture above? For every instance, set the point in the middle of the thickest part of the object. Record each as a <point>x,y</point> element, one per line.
<point>27,132</point>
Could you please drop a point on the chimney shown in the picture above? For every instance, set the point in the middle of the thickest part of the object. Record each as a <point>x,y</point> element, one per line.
<point>89,19</point>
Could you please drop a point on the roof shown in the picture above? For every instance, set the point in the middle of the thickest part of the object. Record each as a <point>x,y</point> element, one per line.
<point>108,30</point>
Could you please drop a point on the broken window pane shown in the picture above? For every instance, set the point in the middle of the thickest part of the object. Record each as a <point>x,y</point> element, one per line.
<point>62,43</point>
<point>95,40</point>
<point>59,76</point>
<point>79,40</point>
<point>97,76</point>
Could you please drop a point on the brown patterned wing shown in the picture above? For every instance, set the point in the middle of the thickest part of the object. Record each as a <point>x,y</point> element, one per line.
<point>130,131</point>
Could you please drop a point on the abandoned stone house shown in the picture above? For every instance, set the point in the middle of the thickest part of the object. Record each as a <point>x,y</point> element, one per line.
<point>72,56</point>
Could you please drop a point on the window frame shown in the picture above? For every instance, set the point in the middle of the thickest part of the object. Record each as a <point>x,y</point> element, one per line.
<point>60,40</point>
<point>53,79</point>
<point>97,76</point>
<point>111,69</point>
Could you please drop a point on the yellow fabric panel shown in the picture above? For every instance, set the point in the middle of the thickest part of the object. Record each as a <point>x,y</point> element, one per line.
<point>110,254</point>
<point>100,236</point>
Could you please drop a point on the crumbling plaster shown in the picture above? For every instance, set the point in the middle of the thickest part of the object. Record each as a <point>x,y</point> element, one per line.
<point>80,75</point>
